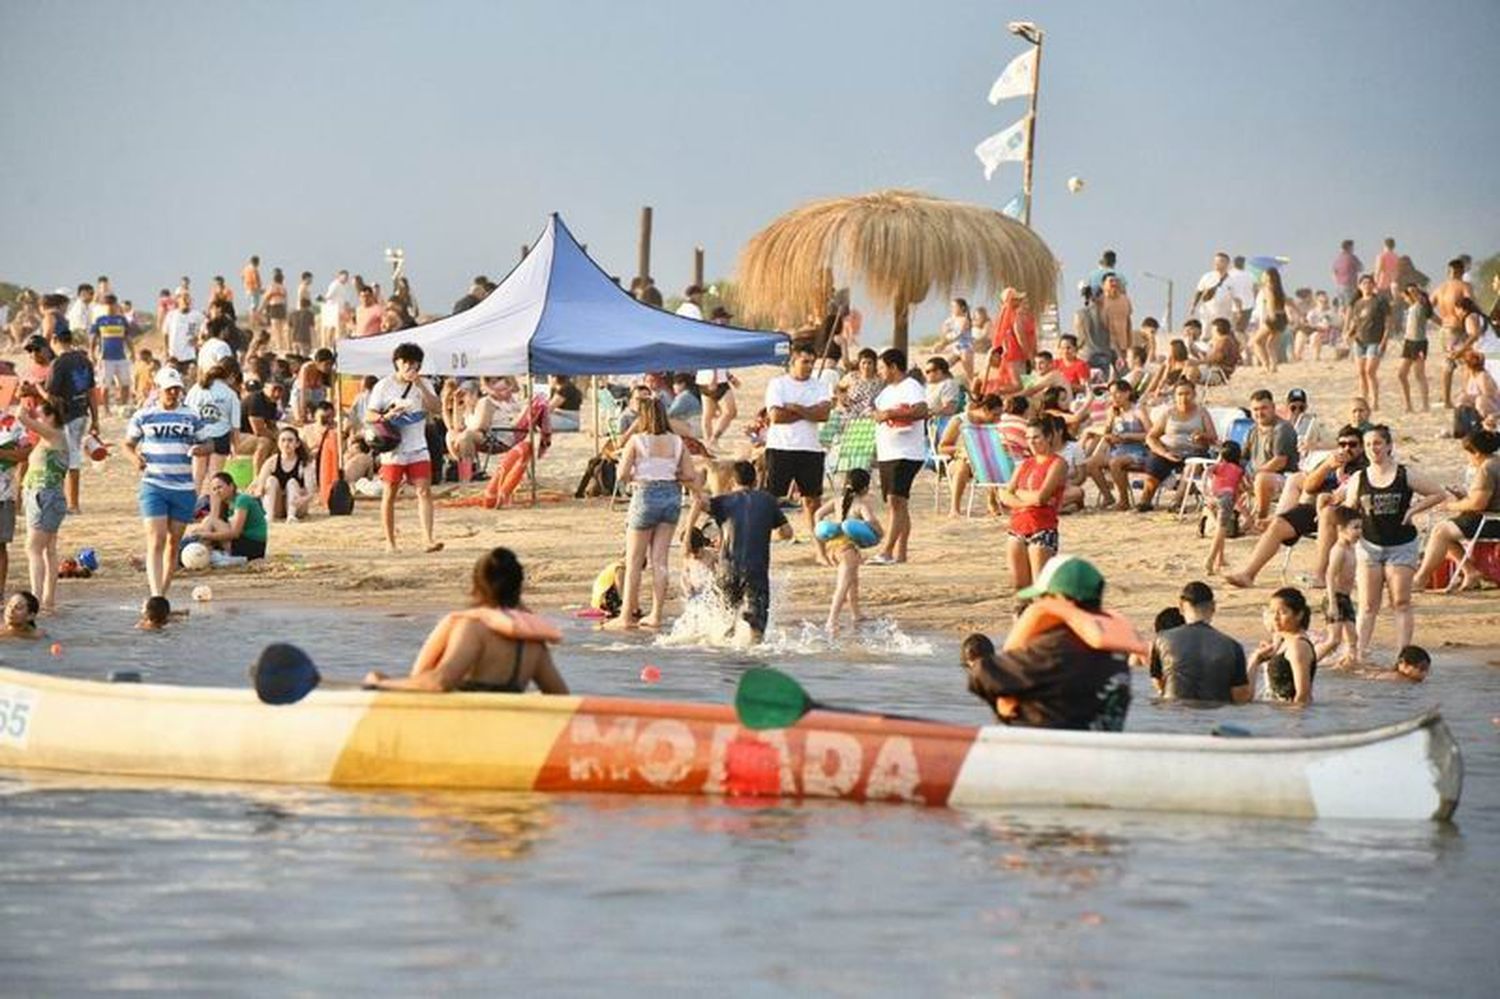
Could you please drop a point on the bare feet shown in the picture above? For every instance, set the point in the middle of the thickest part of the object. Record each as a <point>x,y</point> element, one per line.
<point>651,621</point>
<point>434,546</point>
<point>1239,579</point>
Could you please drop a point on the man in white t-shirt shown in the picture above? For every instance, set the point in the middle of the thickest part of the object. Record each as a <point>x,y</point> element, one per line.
<point>182,326</point>
<point>1214,298</point>
<point>403,400</point>
<point>900,448</point>
<point>1242,285</point>
<point>692,304</point>
<point>338,309</point>
<point>796,403</point>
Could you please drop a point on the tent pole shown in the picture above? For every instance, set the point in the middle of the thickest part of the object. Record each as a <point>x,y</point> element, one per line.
<point>595,380</point>
<point>531,431</point>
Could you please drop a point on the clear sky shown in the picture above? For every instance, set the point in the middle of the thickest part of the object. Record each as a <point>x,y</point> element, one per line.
<point>148,140</point>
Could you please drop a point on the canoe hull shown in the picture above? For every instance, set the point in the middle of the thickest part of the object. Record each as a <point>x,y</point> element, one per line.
<point>357,738</point>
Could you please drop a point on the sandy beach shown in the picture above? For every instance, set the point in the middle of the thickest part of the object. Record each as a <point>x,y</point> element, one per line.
<point>955,582</point>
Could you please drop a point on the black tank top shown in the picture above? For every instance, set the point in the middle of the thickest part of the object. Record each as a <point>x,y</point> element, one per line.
<point>1279,679</point>
<point>283,476</point>
<point>1383,509</point>
<point>511,686</point>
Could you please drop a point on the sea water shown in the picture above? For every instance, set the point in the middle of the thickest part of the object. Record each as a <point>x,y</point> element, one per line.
<point>109,884</point>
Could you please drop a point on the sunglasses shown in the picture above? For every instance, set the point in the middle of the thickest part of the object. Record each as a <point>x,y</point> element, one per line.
<point>1350,445</point>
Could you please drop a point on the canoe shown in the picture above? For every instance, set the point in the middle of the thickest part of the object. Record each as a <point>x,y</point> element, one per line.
<point>529,742</point>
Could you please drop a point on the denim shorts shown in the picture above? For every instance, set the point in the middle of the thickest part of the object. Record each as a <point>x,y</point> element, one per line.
<point>1408,555</point>
<point>653,503</point>
<point>45,509</point>
<point>174,504</point>
<point>1366,349</point>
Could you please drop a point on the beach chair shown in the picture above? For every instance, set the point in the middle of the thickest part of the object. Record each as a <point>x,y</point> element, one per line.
<point>854,448</point>
<point>936,461</point>
<point>1468,546</point>
<point>1225,417</point>
<point>991,463</point>
<point>1193,482</point>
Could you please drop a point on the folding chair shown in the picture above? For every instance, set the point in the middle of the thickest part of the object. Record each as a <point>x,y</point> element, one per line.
<point>991,463</point>
<point>1193,481</point>
<point>936,427</point>
<point>854,448</point>
<point>1468,545</point>
<point>1225,418</point>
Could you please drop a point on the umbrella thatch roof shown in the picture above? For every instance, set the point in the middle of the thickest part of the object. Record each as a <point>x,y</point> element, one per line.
<point>899,245</point>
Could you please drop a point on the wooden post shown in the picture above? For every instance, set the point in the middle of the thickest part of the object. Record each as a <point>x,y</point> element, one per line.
<point>1036,78</point>
<point>698,266</point>
<point>643,259</point>
<point>903,317</point>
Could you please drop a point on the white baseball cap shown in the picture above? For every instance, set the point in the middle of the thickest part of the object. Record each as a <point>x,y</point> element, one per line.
<point>168,377</point>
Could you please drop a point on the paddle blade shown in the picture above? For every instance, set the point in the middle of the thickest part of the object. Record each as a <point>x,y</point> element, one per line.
<point>283,674</point>
<point>768,698</point>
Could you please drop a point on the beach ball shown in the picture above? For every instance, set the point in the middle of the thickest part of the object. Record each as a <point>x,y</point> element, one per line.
<point>89,559</point>
<point>202,593</point>
<point>650,674</point>
<point>1075,184</point>
<point>195,556</point>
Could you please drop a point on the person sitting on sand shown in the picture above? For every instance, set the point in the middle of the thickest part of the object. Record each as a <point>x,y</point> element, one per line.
<point>842,551</point>
<point>1064,662</point>
<point>287,480</point>
<point>20,616</point>
<point>236,522</point>
<point>486,647</point>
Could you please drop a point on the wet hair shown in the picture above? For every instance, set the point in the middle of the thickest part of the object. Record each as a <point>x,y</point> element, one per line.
<point>696,541</point>
<point>497,579</point>
<point>976,645</point>
<point>156,610</point>
<point>855,483</point>
<point>1166,619</point>
<point>1230,451</point>
<point>409,352</point>
<point>1292,599</point>
<point>894,357</point>
<point>744,473</point>
<point>1482,442</point>
<point>32,603</point>
<point>1415,655</point>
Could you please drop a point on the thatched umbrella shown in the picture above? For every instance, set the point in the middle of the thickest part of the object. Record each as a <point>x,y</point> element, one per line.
<point>899,245</point>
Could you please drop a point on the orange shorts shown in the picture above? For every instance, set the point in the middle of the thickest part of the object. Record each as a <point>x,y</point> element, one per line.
<point>394,474</point>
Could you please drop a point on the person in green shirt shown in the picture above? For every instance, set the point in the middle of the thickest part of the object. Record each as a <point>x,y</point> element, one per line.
<point>235,525</point>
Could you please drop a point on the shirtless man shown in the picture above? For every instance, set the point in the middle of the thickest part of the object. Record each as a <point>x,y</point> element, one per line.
<point>1445,299</point>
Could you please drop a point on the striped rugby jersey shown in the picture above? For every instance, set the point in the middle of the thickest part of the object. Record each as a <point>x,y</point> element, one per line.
<point>166,438</point>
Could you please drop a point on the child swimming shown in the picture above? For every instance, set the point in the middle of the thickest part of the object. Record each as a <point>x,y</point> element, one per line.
<point>839,542</point>
<point>20,616</point>
<point>156,612</point>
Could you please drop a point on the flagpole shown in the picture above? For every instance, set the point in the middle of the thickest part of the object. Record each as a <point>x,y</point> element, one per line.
<point>1032,34</point>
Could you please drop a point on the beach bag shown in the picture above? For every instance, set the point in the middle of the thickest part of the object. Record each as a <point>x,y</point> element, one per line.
<point>384,435</point>
<point>340,498</point>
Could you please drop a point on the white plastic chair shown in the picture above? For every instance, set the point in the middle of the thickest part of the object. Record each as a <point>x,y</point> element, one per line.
<point>1468,545</point>
<point>1194,482</point>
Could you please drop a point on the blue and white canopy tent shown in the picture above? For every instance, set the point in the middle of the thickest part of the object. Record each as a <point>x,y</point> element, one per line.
<point>558,313</point>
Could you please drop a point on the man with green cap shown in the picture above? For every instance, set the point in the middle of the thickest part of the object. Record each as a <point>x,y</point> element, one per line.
<point>1064,662</point>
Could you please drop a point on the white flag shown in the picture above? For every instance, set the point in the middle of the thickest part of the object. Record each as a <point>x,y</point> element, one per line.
<point>1016,80</point>
<point>1008,146</point>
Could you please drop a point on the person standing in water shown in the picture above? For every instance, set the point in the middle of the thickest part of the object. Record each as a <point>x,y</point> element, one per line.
<point>748,518</point>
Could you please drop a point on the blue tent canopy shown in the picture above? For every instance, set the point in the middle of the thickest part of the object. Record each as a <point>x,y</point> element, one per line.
<point>558,313</point>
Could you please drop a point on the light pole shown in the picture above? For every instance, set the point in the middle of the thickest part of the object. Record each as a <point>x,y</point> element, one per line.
<point>1031,33</point>
<point>1170,286</point>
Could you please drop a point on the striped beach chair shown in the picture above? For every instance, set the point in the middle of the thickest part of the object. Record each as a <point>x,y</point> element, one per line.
<point>853,448</point>
<point>990,461</point>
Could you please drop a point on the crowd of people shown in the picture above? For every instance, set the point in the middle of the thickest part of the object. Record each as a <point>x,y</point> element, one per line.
<point>1110,418</point>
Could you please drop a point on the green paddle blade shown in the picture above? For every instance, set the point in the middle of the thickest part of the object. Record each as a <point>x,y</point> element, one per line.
<point>768,698</point>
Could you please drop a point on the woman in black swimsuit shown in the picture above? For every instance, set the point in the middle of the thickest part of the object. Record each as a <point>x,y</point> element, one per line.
<point>1288,655</point>
<point>286,482</point>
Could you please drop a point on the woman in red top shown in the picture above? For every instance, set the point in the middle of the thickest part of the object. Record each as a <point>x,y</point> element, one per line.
<point>1033,496</point>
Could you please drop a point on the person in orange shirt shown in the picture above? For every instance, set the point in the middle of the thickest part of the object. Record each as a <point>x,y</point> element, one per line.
<point>254,290</point>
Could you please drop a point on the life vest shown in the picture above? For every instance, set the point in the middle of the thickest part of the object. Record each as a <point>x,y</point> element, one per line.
<point>516,624</point>
<point>1106,630</point>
